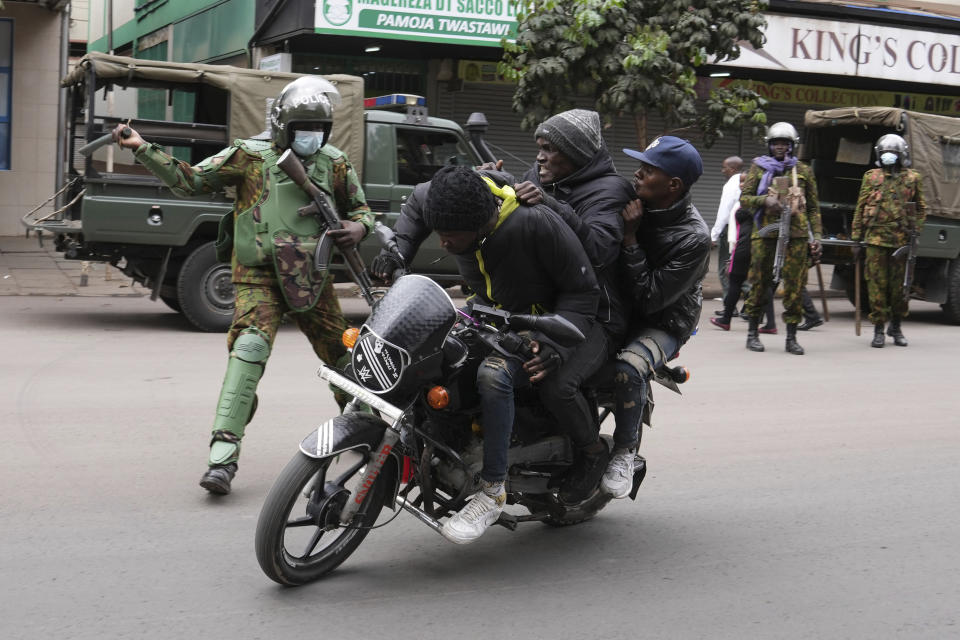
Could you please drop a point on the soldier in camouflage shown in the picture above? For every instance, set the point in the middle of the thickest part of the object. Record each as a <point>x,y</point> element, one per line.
<point>270,247</point>
<point>757,195</point>
<point>882,223</point>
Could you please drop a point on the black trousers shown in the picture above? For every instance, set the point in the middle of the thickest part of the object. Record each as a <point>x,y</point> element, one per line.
<point>733,296</point>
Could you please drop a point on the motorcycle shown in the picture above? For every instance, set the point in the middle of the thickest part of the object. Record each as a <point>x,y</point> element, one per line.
<point>410,440</point>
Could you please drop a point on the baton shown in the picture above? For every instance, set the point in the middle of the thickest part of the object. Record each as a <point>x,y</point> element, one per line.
<point>105,139</point>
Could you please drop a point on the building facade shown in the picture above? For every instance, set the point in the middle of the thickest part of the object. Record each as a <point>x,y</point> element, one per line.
<point>817,56</point>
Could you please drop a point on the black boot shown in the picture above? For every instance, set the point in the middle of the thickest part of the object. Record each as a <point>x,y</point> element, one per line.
<point>583,478</point>
<point>894,332</point>
<point>218,477</point>
<point>753,335</point>
<point>792,346</point>
<point>878,338</point>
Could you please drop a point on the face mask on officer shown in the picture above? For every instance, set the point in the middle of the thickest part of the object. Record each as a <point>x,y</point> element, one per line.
<point>306,143</point>
<point>888,159</point>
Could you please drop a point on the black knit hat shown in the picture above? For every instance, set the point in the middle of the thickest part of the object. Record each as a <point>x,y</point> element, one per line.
<point>576,133</point>
<point>458,200</point>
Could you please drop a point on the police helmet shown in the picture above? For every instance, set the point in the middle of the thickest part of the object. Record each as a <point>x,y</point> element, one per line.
<point>892,143</point>
<point>782,131</point>
<point>310,101</point>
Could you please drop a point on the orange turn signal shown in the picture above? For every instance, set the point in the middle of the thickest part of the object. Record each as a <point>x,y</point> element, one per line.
<point>438,397</point>
<point>349,337</point>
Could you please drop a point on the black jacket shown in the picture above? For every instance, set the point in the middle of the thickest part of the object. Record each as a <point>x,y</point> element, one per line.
<point>532,262</point>
<point>664,271</point>
<point>590,201</point>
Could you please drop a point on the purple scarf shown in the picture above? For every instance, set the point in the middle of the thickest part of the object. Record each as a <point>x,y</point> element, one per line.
<point>770,166</point>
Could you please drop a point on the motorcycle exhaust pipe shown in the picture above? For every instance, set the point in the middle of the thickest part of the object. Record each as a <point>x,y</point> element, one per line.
<point>420,515</point>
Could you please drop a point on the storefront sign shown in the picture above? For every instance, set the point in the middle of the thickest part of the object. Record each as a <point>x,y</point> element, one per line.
<point>811,45</point>
<point>473,22</point>
<point>830,97</point>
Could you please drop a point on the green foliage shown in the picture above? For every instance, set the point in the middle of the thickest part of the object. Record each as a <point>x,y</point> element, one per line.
<point>634,56</point>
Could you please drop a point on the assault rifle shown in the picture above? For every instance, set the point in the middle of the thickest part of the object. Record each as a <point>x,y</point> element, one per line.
<point>321,207</point>
<point>910,249</point>
<point>782,228</point>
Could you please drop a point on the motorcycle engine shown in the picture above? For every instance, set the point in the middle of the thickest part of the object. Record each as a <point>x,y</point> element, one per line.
<point>453,476</point>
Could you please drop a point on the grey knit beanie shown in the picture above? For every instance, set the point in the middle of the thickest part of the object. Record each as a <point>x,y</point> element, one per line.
<point>576,133</point>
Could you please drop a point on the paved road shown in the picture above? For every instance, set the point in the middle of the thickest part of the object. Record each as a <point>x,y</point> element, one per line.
<point>788,498</point>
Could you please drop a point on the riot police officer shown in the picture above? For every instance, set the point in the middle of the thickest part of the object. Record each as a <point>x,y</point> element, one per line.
<point>270,247</point>
<point>883,223</point>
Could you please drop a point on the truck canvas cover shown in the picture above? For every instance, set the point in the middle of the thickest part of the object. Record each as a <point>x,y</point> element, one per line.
<point>249,90</point>
<point>934,147</point>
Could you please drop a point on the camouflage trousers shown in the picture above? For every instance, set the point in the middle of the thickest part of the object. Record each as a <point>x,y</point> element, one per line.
<point>884,276</point>
<point>263,307</point>
<point>793,276</point>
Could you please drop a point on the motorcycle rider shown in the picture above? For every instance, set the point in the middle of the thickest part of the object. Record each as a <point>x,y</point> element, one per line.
<point>494,238</point>
<point>273,274</point>
<point>665,255</point>
<point>574,176</point>
<point>883,222</point>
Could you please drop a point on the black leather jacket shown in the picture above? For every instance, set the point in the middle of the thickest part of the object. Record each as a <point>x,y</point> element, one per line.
<point>663,273</point>
<point>590,201</point>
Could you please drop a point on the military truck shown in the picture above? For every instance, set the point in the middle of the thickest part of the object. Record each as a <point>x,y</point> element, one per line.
<point>839,143</point>
<point>112,210</point>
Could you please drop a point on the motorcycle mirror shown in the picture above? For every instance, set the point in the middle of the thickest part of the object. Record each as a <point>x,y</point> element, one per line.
<point>555,327</point>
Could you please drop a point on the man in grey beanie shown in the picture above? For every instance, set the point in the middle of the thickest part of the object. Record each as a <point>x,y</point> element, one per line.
<point>574,175</point>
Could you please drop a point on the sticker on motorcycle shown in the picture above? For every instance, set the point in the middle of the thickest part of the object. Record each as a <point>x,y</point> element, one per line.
<point>377,364</point>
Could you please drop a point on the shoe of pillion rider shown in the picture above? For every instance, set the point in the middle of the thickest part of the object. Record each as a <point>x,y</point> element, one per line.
<point>584,476</point>
<point>618,478</point>
<point>483,510</point>
<point>218,477</point>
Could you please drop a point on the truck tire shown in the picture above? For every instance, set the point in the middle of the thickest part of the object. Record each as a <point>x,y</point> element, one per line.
<point>173,303</point>
<point>952,306</point>
<point>205,291</point>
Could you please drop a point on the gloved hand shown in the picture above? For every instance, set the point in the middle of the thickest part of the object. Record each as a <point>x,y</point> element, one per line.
<point>545,360</point>
<point>816,251</point>
<point>349,234</point>
<point>384,265</point>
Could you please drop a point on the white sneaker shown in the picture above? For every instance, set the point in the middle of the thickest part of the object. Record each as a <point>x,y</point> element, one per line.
<point>618,478</point>
<point>470,522</point>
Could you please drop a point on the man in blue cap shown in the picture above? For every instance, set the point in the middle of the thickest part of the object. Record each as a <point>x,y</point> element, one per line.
<point>664,257</point>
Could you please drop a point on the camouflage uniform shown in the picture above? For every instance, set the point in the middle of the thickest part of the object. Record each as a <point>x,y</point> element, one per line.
<point>265,291</point>
<point>763,250</point>
<point>881,222</point>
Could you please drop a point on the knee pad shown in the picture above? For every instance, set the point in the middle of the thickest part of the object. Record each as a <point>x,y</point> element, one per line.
<point>251,346</point>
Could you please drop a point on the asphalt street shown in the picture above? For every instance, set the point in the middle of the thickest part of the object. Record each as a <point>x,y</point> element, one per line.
<point>788,497</point>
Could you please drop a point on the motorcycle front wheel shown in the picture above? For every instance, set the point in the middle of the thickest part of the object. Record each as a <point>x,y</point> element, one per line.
<point>299,537</point>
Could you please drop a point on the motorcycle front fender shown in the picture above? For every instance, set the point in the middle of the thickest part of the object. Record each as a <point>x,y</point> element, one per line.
<point>344,432</point>
<point>355,431</point>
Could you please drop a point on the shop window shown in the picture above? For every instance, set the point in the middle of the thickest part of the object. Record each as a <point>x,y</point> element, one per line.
<point>6,89</point>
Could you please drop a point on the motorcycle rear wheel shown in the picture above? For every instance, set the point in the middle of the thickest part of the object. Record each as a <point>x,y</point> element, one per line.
<point>291,520</point>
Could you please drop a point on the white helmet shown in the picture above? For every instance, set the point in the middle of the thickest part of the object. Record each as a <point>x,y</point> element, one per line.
<point>782,131</point>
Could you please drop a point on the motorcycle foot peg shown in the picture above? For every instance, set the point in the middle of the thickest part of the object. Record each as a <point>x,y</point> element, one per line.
<point>639,472</point>
<point>507,520</point>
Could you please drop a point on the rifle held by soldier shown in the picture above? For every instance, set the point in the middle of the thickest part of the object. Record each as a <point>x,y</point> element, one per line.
<point>321,207</point>
<point>782,228</point>
<point>910,249</point>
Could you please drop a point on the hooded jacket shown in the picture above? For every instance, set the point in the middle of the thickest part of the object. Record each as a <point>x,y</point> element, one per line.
<point>663,273</point>
<point>590,201</point>
<point>530,263</point>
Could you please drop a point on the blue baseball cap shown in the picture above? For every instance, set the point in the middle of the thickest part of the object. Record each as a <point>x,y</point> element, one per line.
<point>674,156</point>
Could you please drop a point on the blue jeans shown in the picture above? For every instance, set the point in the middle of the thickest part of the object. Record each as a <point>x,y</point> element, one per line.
<point>497,378</point>
<point>646,352</point>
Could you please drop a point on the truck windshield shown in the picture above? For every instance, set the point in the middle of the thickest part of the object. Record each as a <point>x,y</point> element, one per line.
<point>421,153</point>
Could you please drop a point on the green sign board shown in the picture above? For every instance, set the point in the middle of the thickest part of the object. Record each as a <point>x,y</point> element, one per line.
<point>473,22</point>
